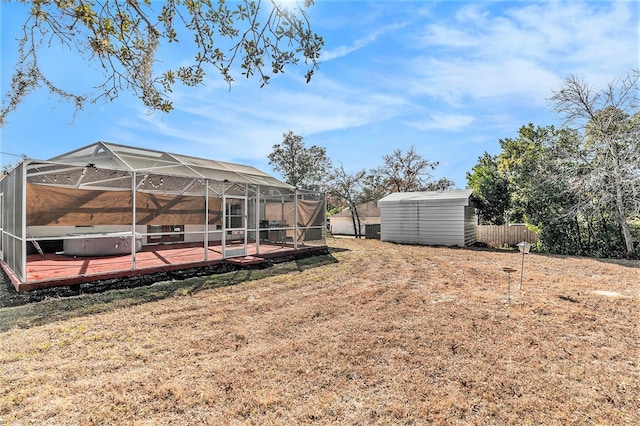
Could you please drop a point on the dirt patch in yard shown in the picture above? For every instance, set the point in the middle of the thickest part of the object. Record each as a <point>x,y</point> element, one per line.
<point>376,333</point>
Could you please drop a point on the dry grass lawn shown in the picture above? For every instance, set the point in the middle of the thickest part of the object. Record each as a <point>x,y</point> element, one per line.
<point>388,334</point>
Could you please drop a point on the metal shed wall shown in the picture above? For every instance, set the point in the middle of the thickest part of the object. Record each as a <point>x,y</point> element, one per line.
<point>470,226</point>
<point>432,219</point>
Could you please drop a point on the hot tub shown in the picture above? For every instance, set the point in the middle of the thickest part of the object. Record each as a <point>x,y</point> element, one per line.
<point>103,244</point>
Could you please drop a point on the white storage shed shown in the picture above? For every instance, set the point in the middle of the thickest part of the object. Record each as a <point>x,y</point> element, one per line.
<point>430,218</point>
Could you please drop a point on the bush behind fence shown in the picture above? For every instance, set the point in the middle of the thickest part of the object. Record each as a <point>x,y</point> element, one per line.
<point>499,235</point>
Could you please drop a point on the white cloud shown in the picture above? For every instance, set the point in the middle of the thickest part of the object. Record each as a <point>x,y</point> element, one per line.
<point>526,51</point>
<point>447,122</point>
<point>341,51</point>
<point>246,124</point>
<point>444,35</point>
<point>472,14</point>
<point>460,80</point>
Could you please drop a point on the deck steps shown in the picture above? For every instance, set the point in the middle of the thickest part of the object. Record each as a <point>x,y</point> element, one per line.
<point>245,260</point>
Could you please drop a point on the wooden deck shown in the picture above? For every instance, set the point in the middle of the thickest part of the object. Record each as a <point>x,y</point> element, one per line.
<point>62,270</point>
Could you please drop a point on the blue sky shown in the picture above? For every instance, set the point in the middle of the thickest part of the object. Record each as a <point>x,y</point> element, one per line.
<point>450,78</point>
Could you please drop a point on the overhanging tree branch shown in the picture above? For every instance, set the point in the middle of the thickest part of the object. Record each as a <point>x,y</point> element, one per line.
<point>123,36</point>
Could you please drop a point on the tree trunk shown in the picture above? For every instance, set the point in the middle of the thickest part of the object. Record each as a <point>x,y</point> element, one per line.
<point>619,200</point>
<point>622,221</point>
<point>576,222</point>
<point>355,219</point>
<point>359,225</point>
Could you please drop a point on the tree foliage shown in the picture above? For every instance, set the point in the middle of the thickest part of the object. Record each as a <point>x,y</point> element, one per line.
<point>123,36</point>
<point>300,166</point>
<point>526,162</point>
<point>540,168</point>
<point>374,187</point>
<point>605,167</point>
<point>491,196</point>
<point>400,172</point>
<point>577,187</point>
<point>405,172</point>
<point>442,184</point>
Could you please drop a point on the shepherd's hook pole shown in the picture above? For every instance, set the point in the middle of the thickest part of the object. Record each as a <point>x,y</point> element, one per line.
<point>522,270</point>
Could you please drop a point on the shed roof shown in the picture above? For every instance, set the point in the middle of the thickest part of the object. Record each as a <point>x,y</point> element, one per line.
<point>461,195</point>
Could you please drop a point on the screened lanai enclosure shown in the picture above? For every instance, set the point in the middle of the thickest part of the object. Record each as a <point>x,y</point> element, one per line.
<point>110,210</point>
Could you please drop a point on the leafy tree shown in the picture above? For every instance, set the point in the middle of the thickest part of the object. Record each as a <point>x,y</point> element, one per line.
<point>540,188</point>
<point>543,170</point>
<point>578,187</point>
<point>300,166</point>
<point>606,169</point>
<point>406,172</point>
<point>123,36</point>
<point>374,187</point>
<point>511,186</point>
<point>348,186</point>
<point>442,184</point>
<point>491,196</point>
<point>401,172</point>
<point>524,162</point>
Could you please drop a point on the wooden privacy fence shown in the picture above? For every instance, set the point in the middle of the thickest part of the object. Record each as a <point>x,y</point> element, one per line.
<point>499,235</point>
